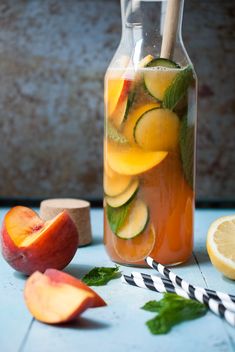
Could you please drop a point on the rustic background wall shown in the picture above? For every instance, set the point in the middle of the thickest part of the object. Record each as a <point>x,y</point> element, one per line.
<point>53,55</point>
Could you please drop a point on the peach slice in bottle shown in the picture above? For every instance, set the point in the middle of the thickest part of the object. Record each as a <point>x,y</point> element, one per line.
<point>116,184</point>
<point>135,249</point>
<point>127,160</point>
<point>124,197</point>
<point>117,86</point>
<point>157,129</point>
<point>145,61</point>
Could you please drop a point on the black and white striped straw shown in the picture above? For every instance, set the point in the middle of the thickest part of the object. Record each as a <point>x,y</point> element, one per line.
<point>217,295</point>
<point>177,280</point>
<point>217,307</point>
<point>214,306</point>
<point>164,281</point>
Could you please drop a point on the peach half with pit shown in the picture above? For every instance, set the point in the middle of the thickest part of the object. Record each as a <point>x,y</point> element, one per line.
<point>30,244</point>
<point>55,297</point>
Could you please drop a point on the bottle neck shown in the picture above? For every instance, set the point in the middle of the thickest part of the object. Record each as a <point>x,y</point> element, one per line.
<point>143,21</point>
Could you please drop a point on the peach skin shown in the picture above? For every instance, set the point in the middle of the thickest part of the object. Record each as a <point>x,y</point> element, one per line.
<point>29,244</point>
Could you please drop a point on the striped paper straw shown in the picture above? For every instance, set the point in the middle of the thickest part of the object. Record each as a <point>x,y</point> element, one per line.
<point>214,306</point>
<point>177,280</point>
<point>163,281</point>
<point>217,295</point>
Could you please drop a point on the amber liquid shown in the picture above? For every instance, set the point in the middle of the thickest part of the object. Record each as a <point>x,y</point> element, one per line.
<point>163,187</point>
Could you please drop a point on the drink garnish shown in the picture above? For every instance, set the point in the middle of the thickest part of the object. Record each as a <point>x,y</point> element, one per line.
<point>172,309</point>
<point>100,276</point>
<point>178,88</point>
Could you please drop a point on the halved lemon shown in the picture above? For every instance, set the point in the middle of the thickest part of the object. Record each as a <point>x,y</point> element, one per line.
<point>221,245</point>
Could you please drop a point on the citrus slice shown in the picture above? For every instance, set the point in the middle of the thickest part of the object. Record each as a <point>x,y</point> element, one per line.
<point>221,245</point>
<point>135,249</point>
<point>127,160</point>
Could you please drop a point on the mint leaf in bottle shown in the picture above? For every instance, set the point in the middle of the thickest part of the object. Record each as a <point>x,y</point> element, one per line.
<point>177,90</point>
<point>117,216</point>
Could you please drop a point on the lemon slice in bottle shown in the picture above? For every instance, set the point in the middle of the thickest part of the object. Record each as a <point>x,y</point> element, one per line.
<point>221,245</point>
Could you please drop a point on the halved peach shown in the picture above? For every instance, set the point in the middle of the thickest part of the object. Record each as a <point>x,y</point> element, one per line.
<point>30,244</point>
<point>55,302</point>
<point>61,277</point>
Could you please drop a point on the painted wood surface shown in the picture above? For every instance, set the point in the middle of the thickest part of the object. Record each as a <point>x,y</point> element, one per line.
<point>121,325</point>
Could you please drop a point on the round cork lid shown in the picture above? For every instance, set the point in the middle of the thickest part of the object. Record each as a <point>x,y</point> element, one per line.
<point>79,211</point>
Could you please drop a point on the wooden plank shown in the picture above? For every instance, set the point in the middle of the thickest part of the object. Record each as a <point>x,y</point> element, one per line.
<point>121,325</point>
<point>15,319</point>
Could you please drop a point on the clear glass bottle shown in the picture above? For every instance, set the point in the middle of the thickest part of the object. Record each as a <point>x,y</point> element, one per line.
<point>149,141</point>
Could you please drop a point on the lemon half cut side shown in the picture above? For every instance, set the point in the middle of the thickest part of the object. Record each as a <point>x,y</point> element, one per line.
<point>221,245</point>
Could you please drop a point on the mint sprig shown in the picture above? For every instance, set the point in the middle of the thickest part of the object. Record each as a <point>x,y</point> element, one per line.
<point>172,309</point>
<point>178,88</point>
<point>100,276</point>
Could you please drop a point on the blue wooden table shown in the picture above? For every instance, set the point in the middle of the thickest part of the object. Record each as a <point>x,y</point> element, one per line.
<point>119,327</point>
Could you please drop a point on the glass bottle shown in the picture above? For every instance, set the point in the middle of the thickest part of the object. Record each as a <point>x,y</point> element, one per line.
<point>149,141</point>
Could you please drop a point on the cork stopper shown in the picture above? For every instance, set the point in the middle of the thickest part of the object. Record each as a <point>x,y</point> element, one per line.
<point>79,211</point>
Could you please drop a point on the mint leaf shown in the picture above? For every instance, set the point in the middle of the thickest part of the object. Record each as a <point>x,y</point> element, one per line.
<point>117,216</point>
<point>187,149</point>
<point>114,134</point>
<point>172,309</point>
<point>99,276</point>
<point>176,91</point>
<point>152,306</point>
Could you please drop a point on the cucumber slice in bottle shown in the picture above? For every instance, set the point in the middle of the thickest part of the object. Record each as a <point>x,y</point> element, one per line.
<point>136,221</point>
<point>157,129</point>
<point>157,80</point>
<point>125,197</point>
<point>162,63</point>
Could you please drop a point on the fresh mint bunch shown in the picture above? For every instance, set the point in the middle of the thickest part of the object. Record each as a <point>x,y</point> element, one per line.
<point>172,309</point>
